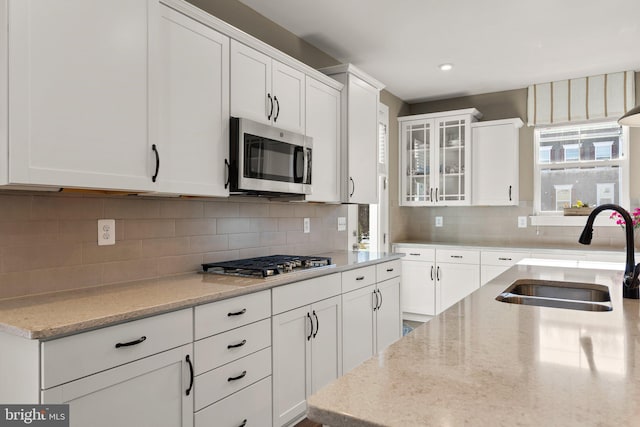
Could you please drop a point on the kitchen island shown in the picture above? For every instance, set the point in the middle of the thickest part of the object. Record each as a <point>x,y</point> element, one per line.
<point>488,363</point>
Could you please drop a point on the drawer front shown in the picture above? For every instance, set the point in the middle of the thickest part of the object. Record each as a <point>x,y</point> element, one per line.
<point>220,316</point>
<point>76,356</point>
<point>501,258</point>
<point>455,256</point>
<point>221,382</point>
<point>358,278</point>
<point>388,270</point>
<point>231,345</point>
<point>416,254</point>
<point>305,292</point>
<point>250,407</point>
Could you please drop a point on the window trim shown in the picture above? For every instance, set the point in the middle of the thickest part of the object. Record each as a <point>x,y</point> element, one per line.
<point>555,218</point>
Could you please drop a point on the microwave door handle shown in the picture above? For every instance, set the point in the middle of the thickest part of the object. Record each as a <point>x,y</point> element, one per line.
<point>306,179</point>
<point>296,155</point>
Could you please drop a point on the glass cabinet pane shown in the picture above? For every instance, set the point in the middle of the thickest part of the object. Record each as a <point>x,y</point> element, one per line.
<point>452,167</point>
<point>418,164</point>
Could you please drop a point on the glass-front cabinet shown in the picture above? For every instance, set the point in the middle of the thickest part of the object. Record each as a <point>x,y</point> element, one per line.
<point>435,157</point>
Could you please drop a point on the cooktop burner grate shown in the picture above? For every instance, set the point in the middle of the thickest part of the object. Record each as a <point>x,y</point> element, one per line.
<point>266,266</point>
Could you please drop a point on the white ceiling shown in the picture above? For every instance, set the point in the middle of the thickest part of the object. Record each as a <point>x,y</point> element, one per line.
<point>494,44</point>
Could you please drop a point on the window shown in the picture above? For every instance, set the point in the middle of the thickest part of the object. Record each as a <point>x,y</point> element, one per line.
<point>586,162</point>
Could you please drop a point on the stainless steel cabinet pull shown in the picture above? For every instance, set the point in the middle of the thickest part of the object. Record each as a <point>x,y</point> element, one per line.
<point>380,305</point>
<point>228,166</point>
<point>505,259</point>
<point>130,343</point>
<point>438,273</point>
<point>436,194</point>
<point>375,306</point>
<point>311,323</point>
<point>275,118</point>
<point>432,272</point>
<point>237,313</point>
<point>509,193</point>
<point>242,375</point>
<point>431,194</point>
<point>414,254</point>
<point>353,190</point>
<point>360,278</point>
<point>389,270</point>
<point>317,324</point>
<point>240,344</point>
<point>456,256</point>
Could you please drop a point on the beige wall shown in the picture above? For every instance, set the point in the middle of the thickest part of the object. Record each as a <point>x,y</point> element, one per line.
<point>498,225</point>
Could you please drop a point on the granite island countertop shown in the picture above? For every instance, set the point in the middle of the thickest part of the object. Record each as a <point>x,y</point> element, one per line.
<point>487,363</point>
<point>53,315</point>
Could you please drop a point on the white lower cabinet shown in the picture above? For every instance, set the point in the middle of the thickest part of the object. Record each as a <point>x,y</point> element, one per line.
<point>370,317</point>
<point>152,392</point>
<point>494,263</point>
<point>434,279</point>
<point>233,361</point>
<point>306,344</point>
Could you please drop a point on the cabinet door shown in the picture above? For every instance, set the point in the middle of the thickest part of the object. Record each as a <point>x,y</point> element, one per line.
<point>418,163</point>
<point>150,392</point>
<point>291,364</point>
<point>326,342</point>
<point>193,121</point>
<point>362,142</point>
<point>323,125</point>
<point>388,321</point>
<point>288,97</point>
<point>418,288</point>
<point>358,339</point>
<point>495,164</point>
<point>455,281</point>
<point>251,95</point>
<point>454,160</point>
<point>79,93</point>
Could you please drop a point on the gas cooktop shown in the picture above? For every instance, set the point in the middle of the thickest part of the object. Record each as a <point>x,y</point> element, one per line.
<point>266,266</point>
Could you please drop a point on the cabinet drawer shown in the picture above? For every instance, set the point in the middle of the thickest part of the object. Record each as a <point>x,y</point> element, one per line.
<point>221,382</point>
<point>305,292</point>
<point>231,345</point>
<point>220,316</point>
<point>76,356</point>
<point>501,258</point>
<point>251,407</point>
<point>388,270</point>
<point>358,278</point>
<point>417,254</point>
<point>455,256</point>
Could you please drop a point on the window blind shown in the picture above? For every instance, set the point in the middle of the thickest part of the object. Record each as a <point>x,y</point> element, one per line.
<point>578,100</point>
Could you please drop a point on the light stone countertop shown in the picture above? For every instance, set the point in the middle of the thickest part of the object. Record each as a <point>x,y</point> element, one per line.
<point>487,363</point>
<point>52,315</point>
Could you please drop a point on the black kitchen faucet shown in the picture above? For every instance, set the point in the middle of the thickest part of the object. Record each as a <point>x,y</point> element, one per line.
<point>630,283</point>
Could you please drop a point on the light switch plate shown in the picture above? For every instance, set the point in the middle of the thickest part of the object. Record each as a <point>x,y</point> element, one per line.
<point>106,232</point>
<point>342,223</point>
<point>522,222</point>
<point>439,221</point>
<point>307,225</point>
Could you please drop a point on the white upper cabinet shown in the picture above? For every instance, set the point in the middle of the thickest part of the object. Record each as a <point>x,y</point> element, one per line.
<point>266,90</point>
<point>495,162</point>
<point>359,163</point>
<point>323,126</point>
<point>193,106</point>
<point>435,158</point>
<point>78,93</point>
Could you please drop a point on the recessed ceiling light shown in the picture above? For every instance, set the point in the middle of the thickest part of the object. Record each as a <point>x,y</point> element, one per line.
<point>445,67</point>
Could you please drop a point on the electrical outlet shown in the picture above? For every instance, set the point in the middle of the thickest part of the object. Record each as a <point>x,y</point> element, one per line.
<point>439,221</point>
<point>342,223</point>
<point>307,225</point>
<point>522,222</point>
<point>106,232</point>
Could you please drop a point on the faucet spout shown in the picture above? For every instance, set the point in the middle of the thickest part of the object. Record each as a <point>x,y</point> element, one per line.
<point>631,283</point>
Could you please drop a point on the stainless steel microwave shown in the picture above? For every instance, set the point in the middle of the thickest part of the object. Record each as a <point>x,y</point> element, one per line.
<point>268,160</point>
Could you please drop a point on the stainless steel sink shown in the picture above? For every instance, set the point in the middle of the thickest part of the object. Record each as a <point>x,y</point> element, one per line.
<point>548,293</point>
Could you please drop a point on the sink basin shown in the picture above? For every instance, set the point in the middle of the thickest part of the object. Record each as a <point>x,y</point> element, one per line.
<point>547,293</point>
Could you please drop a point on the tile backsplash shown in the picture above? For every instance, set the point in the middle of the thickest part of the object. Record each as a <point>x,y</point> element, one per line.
<point>48,242</point>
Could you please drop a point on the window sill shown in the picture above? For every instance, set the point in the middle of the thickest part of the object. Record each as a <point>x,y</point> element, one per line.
<point>569,221</point>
